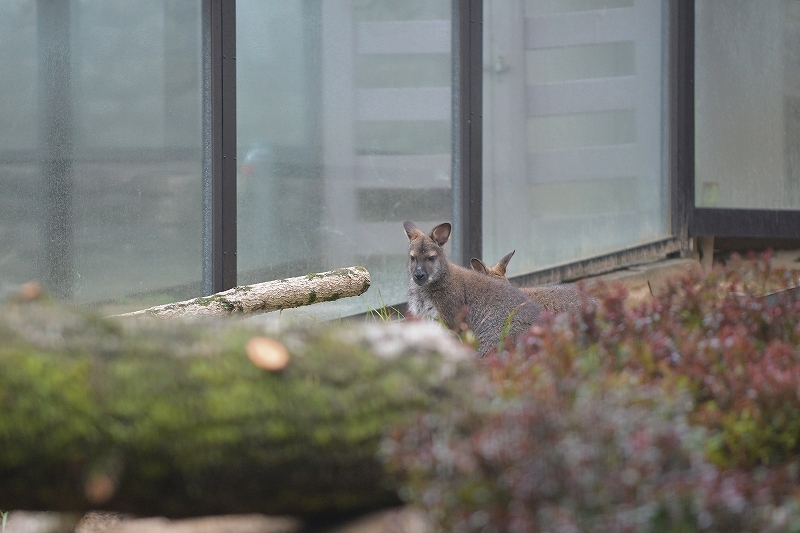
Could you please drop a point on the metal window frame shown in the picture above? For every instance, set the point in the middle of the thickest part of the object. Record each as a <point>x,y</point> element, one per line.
<point>219,137</point>
<point>704,221</point>
<point>218,23</point>
<point>467,157</point>
<point>681,116</point>
<point>467,97</point>
<point>686,220</point>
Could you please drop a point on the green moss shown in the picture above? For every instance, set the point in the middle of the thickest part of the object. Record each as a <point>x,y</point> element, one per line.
<point>180,401</point>
<point>205,301</point>
<point>312,297</point>
<point>339,272</point>
<point>44,404</point>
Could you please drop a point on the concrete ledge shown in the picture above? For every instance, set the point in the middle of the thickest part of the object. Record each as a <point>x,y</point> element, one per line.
<point>644,281</point>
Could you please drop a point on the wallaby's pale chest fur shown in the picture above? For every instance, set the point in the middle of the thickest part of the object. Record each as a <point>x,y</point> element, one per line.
<point>564,297</point>
<point>439,289</point>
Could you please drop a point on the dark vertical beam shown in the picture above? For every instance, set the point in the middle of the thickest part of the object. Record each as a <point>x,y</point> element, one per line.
<point>681,116</point>
<point>56,143</point>
<point>219,145</point>
<point>467,129</point>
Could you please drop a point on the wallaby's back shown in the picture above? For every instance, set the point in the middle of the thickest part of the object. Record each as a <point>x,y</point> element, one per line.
<point>491,308</point>
<point>564,297</point>
<point>557,298</point>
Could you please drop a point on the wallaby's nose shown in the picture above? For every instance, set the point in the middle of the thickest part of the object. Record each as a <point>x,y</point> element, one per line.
<point>419,276</point>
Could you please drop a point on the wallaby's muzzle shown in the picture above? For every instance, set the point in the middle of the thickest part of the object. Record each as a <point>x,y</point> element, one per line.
<point>420,276</point>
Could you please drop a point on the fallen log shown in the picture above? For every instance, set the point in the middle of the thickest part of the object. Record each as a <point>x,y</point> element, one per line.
<point>173,418</point>
<point>270,296</point>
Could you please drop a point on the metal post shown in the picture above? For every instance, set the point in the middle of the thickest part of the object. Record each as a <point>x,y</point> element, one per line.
<point>681,116</point>
<point>467,185</point>
<point>219,145</point>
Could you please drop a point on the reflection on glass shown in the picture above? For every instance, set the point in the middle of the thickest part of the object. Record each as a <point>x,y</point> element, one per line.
<point>101,153</point>
<point>343,132</point>
<point>20,240</point>
<point>580,62</point>
<point>541,7</point>
<point>747,104</point>
<point>573,129</point>
<point>581,130</point>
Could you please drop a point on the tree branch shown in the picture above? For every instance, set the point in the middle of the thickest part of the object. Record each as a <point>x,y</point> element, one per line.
<point>270,296</point>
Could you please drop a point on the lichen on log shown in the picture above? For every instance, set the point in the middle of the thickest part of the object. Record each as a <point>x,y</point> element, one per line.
<point>172,418</point>
<point>271,295</point>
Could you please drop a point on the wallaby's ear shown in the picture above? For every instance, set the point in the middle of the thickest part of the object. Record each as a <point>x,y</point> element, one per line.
<point>412,231</point>
<point>478,265</point>
<point>502,265</point>
<point>441,233</point>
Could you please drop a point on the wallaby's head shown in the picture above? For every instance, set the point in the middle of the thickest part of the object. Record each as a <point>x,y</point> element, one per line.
<point>427,262</point>
<point>497,271</point>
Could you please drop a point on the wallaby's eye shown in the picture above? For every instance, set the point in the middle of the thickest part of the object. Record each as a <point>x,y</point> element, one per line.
<point>431,259</point>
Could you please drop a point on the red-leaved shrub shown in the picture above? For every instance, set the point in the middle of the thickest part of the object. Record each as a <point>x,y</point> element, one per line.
<point>682,414</point>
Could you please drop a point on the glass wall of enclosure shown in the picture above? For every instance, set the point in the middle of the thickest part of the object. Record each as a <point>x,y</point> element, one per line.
<point>100,149</point>
<point>574,128</point>
<point>344,131</point>
<point>747,104</point>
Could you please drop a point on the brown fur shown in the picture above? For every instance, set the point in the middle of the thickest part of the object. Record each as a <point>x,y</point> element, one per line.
<point>457,296</point>
<point>556,298</point>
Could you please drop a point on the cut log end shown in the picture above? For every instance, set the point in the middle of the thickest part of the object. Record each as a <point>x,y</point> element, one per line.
<point>267,354</point>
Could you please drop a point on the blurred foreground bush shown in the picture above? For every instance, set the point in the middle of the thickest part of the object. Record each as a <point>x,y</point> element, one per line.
<point>682,414</point>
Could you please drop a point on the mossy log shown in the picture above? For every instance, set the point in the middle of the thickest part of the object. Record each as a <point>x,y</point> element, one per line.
<point>270,295</point>
<point>155,417</point>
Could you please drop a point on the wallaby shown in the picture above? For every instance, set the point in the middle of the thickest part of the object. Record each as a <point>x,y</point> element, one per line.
<point>439,289</point>
<point>556,298</point>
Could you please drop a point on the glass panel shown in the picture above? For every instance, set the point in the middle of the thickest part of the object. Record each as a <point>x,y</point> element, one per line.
<point>343,132</point>
<point>402,70</point>
<point>101,155</point>
<point>574,132</point>
<point>747,104</point>
<point>20,238</point>
<point>580,62</point>
<point>581,130</point>
<point>540,7</point>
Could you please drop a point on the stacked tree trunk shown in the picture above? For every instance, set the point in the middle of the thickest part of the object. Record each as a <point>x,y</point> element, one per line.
<point>176,418</point>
